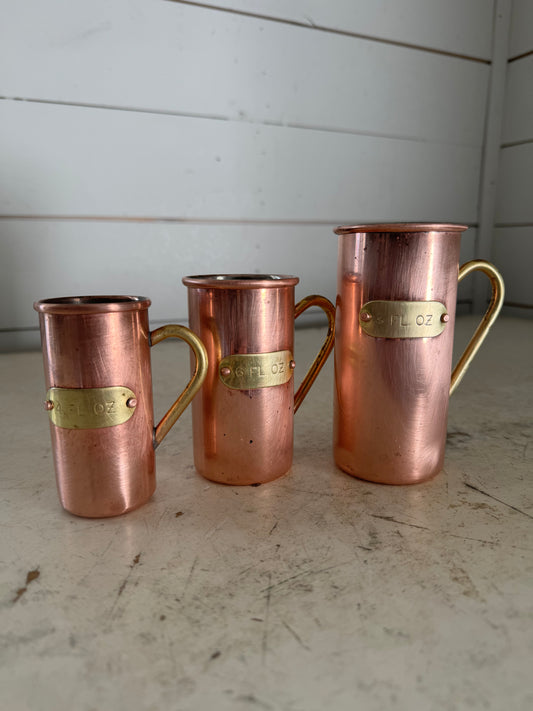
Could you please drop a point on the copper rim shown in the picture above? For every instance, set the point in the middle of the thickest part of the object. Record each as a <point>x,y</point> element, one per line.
<point>240,281</point>
<point>91,304</point>
<point>401,227</point>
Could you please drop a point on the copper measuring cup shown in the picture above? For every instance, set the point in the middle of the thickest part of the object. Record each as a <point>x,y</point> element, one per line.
<point>96,353</point>
<point>397,290</point>
<point>243,415</point>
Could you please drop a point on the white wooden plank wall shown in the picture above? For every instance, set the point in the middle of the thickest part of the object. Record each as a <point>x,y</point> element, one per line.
<point>456,26</point>
<point>146,139</point>
<point>512,247</point>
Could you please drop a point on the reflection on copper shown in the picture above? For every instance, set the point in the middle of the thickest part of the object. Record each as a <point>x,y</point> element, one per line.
<point>391,394</point>
<point>246,436</point>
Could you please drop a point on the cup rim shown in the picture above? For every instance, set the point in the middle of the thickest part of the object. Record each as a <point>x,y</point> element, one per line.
<point>398,227</point>
<point>91,304</point>
<point>240,281</point>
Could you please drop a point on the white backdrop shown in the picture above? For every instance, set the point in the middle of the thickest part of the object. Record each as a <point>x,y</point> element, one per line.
<point>146,139</point>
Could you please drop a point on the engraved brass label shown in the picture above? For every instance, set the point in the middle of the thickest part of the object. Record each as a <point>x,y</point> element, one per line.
<point>90,408</point>
<point>256,370</point>
<point>403,319</point>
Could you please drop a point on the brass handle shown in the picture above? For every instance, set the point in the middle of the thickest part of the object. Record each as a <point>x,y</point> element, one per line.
<point>498,293</point>
<point>194,384</point>
<point>316,365</point>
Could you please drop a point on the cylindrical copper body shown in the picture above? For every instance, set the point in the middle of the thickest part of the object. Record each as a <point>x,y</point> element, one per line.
<point>96,343</point>
<point>243,417</point>
<point>391,393</point>
<point>242,436</point>
<point>97,369</point>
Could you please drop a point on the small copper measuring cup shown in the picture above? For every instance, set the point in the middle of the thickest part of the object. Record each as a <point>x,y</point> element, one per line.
<point>243,415</point>
<point>96,353</point>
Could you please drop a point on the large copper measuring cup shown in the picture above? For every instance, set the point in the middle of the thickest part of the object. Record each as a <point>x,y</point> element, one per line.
<point>243,415</point>
<point>397,290</point>
<point>97,370</point>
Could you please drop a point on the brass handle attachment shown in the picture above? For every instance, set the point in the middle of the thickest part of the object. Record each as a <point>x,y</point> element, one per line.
<point>316,366</point>
<point>498,293</point>
<point>194,384</point>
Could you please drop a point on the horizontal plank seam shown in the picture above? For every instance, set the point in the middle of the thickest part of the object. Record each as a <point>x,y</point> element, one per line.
<point>331,30</point>
<point>520,56</point>
<point>19,329</point>
<point>190,220</point>
<point>518,305</point>
<point>511,144</point>
<point>262,122</point>
<point>507,225</point>
<point>513,304</point>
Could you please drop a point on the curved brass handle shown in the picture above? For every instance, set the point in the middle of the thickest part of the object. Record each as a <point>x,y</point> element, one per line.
<point>498,292</point>
<point>194,384</point>
<point>324,352</point>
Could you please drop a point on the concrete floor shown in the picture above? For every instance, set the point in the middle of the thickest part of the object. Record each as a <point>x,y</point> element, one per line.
<point>314,591</point>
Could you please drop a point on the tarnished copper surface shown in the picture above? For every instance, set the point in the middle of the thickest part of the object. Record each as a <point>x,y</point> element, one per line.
<point>100,342</point>
<point>391,394</point>
<point>245,436</point>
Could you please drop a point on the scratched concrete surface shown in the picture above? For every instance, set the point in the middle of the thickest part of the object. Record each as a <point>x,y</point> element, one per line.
<point>315,591</point>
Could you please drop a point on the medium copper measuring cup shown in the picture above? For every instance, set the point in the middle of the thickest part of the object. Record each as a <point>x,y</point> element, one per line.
<point>397,290</point>
<point>243,415</point>
<point>97,370</point>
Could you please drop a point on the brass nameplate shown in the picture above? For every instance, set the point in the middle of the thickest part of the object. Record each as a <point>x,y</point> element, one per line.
<point>403,319</point>
<point>256,370</point>
<point>90,408</point>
